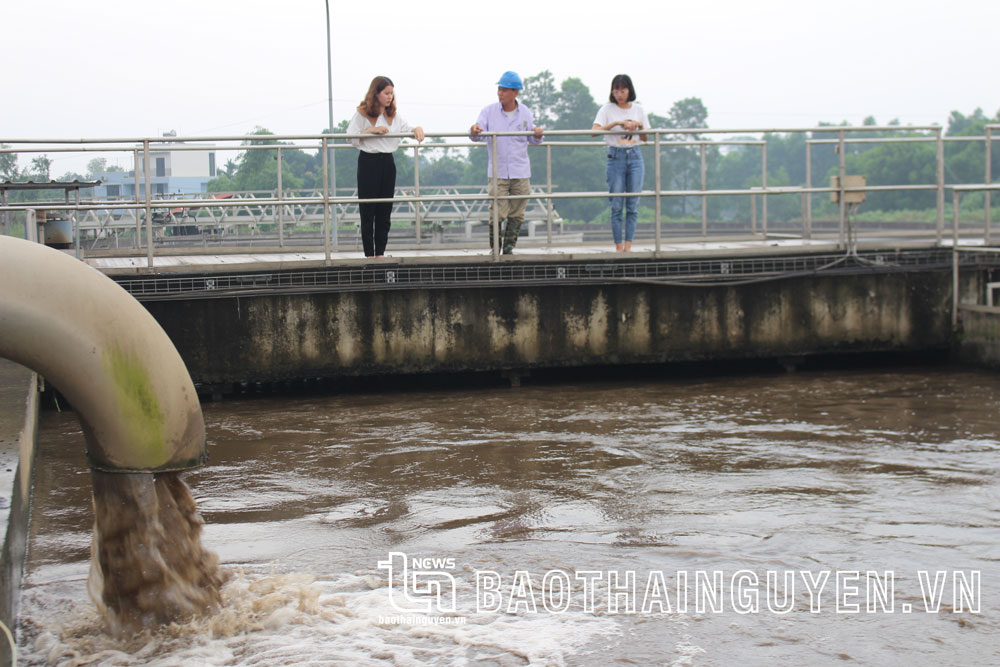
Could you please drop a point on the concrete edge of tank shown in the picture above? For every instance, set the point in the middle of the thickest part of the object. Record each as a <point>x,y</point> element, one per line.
<point>19,405</point>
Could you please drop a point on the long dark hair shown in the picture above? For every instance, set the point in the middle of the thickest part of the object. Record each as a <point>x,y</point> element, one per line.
<point>369,105</point>
<point>620,81</point>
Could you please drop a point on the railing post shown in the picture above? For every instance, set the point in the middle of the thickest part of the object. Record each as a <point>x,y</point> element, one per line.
<point>940,184</point>
<point>76,224</point>
<point>548,189</point>
<point>954,288</point>
<point>149,209</point>
<point>138,218</point>
<point>704,186</point>
<point>989,179</point>
<point>31,225</point>
<point>763,183</point>
<point>281,213</point>
<point>333,234</point>
<point>495,208</point>
<point>416,192</point>
<point>656,154</point>
<point>326,200</point>
<point>807,219</point>
<point>841,180</point>
<point>954,232</point>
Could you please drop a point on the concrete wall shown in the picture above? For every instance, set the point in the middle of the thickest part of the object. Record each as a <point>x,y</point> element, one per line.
<point>18,436</point>
<point>328,334</point>
<point>979,340</point>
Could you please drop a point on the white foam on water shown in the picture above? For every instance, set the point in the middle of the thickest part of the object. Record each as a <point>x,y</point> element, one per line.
<point>280,619</point>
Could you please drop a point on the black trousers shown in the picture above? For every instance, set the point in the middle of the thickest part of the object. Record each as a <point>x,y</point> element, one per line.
<point>376,180</point>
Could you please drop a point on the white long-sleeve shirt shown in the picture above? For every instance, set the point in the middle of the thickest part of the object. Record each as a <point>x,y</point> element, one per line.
<point>376,143</point>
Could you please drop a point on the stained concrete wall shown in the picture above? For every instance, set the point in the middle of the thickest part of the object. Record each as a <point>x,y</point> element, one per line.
<point>18,436</point>
<point>979,340</point>
<point>329,334</point>
<point>978,337</point>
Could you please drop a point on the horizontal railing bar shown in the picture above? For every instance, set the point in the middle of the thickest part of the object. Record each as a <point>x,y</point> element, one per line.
<point>974,187</point>
<point>884,140</point>
<point>160,141</point>
<point>240,203</point>
<point>422,146</point>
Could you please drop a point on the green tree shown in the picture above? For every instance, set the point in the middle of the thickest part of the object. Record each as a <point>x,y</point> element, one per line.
<point>8,165</point>
<point>965,162</point>
<point>346,162</point>
<point>575,107</point>
<point>541,96</point>
<point>39,170</point>
<point>258,168</point>
<point>897,164</point>
<point>446,170</point>
<point>680,166</point>
<point>575,168</point>
<point>96,166</point>
<point>688,113</point>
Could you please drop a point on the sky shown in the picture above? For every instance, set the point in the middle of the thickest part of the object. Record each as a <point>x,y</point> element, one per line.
<point>222,67</point>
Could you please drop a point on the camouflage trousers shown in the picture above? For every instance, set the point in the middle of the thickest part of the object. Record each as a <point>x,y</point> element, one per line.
<point>511,210</point>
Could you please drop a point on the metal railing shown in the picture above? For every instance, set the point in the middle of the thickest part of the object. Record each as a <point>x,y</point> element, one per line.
<point>247,212</point>
<point>326,209</point>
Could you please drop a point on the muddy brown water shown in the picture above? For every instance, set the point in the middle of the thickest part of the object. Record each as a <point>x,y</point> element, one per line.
<point>566,524</point>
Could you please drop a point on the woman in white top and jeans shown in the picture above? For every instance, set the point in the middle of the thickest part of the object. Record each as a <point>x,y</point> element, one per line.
<point>625,166</point>
<point>376,115</point>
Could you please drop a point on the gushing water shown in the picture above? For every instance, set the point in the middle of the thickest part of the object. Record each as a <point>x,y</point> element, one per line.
<point>148,567</point>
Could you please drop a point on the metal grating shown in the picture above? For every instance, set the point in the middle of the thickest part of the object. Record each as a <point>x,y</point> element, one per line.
<point>389,276</point>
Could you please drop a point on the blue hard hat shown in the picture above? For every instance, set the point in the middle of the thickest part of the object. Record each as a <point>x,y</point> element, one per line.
<point>510,80</point>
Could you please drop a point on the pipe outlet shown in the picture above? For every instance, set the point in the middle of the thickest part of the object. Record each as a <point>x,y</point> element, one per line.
<point>106,354</point>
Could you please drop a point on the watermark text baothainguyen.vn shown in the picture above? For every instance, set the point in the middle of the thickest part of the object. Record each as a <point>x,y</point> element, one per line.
<point>429,585</point>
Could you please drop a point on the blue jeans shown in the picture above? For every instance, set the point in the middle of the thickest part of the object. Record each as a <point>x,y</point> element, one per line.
<point>625,172</point>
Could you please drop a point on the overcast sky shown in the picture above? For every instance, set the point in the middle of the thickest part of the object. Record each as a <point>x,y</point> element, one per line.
<point>221,67</point>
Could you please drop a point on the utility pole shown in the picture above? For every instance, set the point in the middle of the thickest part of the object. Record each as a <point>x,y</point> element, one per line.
<point>330,151</point>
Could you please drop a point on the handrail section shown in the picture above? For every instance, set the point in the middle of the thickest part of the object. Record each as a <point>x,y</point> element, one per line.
<point>143,207</point>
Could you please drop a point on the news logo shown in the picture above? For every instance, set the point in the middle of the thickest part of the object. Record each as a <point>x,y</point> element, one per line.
<point>420,585</point>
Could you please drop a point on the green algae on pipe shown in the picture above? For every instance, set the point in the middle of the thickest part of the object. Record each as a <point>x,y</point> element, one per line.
<point>106,354</point>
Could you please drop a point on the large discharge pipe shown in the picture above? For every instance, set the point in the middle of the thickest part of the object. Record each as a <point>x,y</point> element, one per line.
<point>106,354</point>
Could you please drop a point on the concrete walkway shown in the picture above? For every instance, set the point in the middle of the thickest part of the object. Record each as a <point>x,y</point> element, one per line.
<point>175,260</point>
<point>217,260</point>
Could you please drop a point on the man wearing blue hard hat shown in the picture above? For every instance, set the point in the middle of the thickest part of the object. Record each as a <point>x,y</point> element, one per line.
<point>513,176</point>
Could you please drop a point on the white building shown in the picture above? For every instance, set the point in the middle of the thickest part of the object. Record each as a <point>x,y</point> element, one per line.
<point>174,167</point>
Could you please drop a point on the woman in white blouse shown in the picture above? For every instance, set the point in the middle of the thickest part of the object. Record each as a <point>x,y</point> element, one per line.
<point>376,115</point>
<point>625,167</point>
